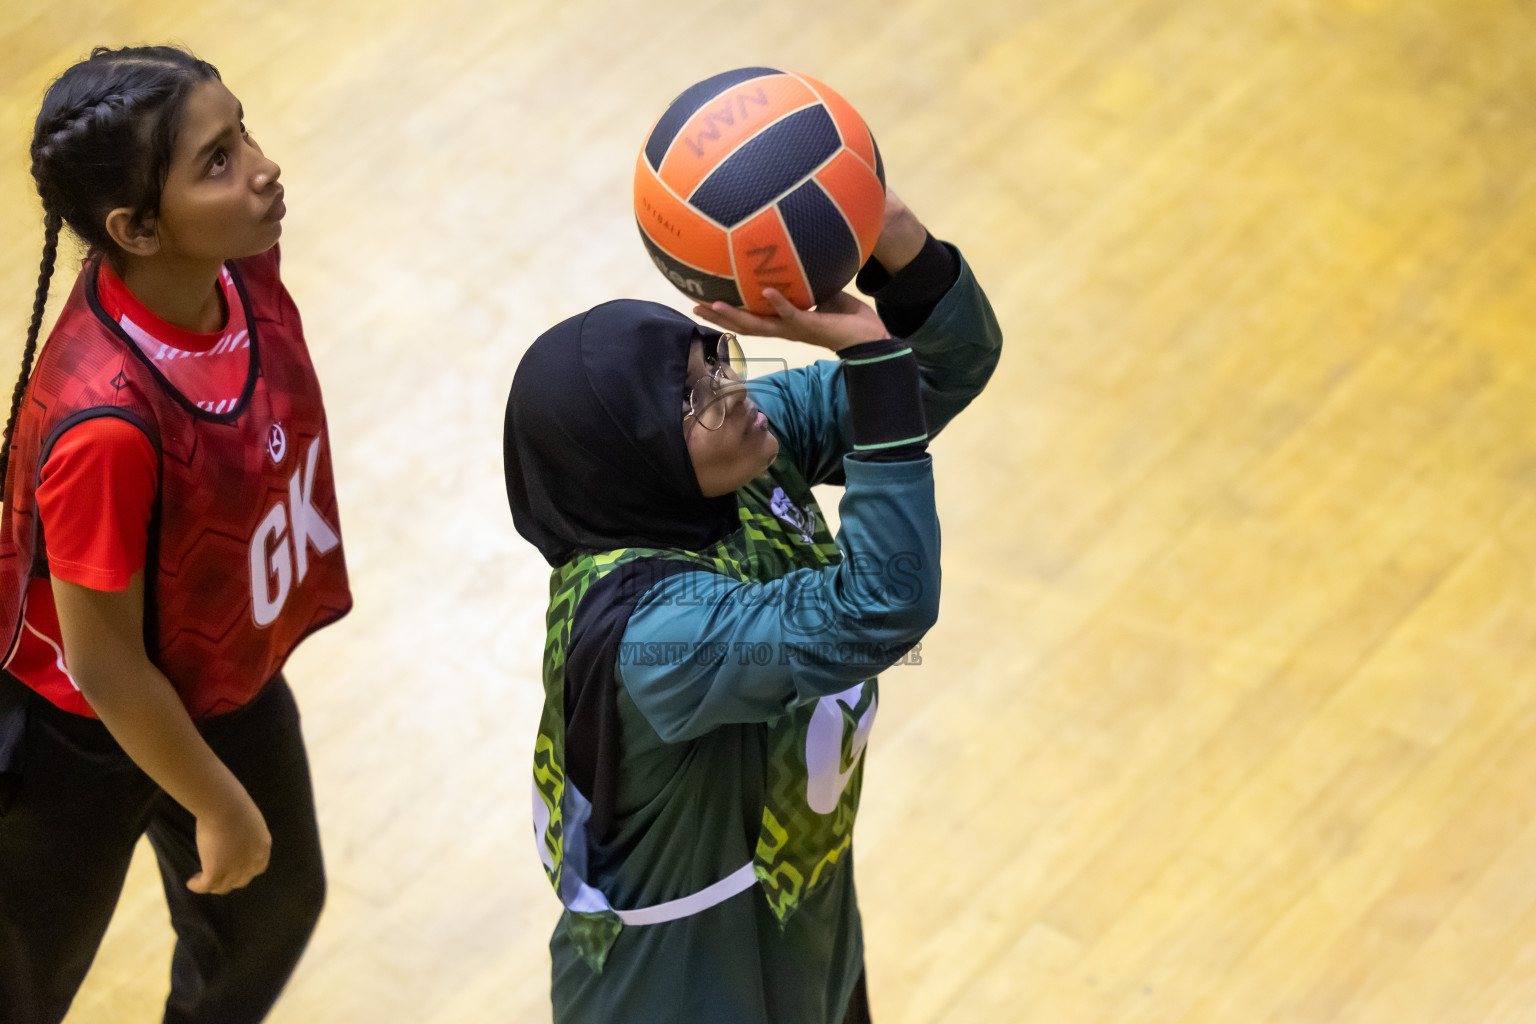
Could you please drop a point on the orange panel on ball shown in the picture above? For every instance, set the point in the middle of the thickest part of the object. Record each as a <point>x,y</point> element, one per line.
<point>765,258</point>
<point>724,123</point>
<point>678,228</point>
<point>858,193</point>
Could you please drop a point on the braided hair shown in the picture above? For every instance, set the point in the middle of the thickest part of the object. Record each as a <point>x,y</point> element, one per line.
<point>102,141</point>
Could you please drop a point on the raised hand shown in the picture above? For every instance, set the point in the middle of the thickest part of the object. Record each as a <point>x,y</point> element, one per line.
<point>836,324</point>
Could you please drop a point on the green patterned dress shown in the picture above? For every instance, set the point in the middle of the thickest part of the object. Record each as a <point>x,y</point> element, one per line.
<point>724,891</point>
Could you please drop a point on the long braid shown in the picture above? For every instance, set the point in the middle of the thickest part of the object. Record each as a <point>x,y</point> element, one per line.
<point>52,224</point>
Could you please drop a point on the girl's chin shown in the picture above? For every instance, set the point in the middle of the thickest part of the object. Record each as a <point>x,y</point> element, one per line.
<point>747,465</point>
<point>768,455</point>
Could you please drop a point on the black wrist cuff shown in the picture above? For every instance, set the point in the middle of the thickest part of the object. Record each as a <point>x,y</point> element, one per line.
<point>901,453</point>
<point>907,299</point>
<point>885,404</point>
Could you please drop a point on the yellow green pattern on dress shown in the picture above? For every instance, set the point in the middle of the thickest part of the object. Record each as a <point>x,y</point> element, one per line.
<point>796,846</point>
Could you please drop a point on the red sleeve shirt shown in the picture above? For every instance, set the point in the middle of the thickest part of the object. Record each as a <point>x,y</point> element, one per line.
<point>95,497</point>
<point>97,489</point>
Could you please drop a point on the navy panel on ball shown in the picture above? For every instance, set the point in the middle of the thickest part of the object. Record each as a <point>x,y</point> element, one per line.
<point>828,250</point>
<point>690,280</point>
<point>688,103</point>
<point>766,165</point>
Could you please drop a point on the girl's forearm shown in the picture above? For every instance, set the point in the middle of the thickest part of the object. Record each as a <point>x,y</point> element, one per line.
<point>103,633</point>
<point>143,713</point>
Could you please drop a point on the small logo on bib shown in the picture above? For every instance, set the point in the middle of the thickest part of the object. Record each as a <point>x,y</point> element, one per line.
<point>277,444</point>
<point>802,519</point>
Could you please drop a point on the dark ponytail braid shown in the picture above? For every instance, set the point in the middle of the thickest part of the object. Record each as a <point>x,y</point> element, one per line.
<point>102,141</point>
<point>52,223</point>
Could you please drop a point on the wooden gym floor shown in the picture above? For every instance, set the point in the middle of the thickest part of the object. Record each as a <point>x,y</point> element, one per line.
<point>1231,716</point>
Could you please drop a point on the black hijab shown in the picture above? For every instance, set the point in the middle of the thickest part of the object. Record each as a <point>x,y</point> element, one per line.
<point>593,443</point>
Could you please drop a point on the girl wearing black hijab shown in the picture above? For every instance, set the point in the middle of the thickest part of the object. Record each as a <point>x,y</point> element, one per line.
<point>711,648</point>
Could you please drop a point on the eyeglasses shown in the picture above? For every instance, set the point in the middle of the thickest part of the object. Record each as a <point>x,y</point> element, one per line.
<point>725,376</point>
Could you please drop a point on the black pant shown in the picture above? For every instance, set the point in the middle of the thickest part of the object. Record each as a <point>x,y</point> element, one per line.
<point>858,1004</point>
<point>72,807</point>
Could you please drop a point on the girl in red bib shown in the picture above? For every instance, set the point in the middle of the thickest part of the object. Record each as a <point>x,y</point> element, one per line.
<point>168,536</point>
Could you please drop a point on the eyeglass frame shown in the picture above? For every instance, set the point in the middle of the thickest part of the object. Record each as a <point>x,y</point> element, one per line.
<point>733,381</point>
